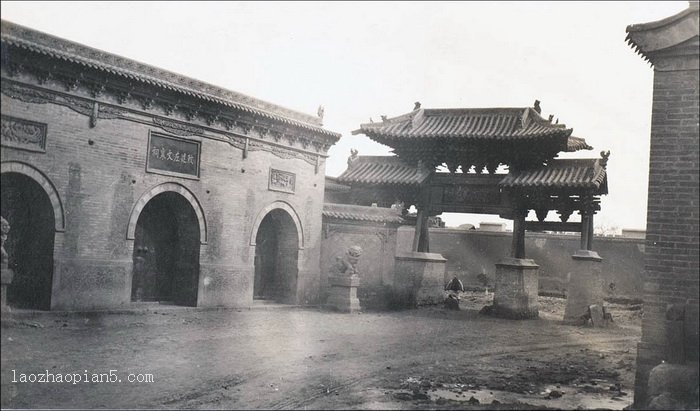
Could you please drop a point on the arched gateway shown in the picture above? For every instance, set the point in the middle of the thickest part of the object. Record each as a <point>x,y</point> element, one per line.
<point>278,240</point>
<point>30,203</point>
<point>167,232</point>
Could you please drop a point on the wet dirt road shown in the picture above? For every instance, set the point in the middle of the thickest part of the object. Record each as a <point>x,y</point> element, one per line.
<point>308,358</point>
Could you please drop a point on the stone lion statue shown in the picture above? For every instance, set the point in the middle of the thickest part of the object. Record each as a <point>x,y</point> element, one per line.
<point>347,264</point>
<point>5,227</point>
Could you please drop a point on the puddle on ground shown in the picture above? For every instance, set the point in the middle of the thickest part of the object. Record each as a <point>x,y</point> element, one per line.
<point>561,397</point>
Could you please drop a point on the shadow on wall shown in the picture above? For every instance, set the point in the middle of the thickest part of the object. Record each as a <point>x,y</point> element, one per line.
<point>472,255</point>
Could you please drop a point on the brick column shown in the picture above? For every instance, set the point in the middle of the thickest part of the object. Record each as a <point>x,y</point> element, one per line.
<point>672,249</point>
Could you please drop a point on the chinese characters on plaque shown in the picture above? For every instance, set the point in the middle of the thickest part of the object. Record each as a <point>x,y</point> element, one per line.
<point>282,181</point>
<point>23,134</point>
<point>173,156</point>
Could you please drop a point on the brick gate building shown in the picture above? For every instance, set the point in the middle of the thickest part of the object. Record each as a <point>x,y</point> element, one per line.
<point>671,321</point>
<point>126,183</point>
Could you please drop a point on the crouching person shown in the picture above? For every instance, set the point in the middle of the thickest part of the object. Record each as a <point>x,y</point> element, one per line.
<point>453,290</point>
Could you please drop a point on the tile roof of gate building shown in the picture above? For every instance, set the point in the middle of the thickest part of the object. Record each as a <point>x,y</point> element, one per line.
<point>46,44</point>
<point>362,213</point>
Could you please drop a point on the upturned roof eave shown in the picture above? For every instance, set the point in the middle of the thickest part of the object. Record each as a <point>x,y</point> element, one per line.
<point>659,23</point>
<point>597,184</point>
<point>652,38</point>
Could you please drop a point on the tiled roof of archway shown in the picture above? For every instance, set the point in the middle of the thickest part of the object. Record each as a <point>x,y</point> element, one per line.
<point>465,123</point>
<point>587,174</point>
<point>576,144</point>
<point>382,170</point>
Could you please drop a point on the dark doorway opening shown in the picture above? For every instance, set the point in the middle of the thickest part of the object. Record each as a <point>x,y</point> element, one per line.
<point>28,210</point>
<point>276,254</point>
<point>166,252</point>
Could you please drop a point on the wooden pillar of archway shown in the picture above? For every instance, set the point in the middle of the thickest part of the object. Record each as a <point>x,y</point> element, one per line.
<point>421,238</point>
<point>517,249</point>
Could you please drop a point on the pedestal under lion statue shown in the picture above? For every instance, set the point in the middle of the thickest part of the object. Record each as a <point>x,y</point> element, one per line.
<point>5,272</point>
<point>344,280</point>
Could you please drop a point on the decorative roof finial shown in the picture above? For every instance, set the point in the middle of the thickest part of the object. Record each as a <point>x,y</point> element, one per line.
<point>320,112</point>
<point>416,105</point>
<point>370,120</point>
<point>551,117</point>
<point>353,156</point>
<point>383,118</point>
<point>604,160</point>
<point>537,107</point>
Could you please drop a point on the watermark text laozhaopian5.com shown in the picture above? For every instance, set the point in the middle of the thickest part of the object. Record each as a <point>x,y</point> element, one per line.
<point>85,377</point>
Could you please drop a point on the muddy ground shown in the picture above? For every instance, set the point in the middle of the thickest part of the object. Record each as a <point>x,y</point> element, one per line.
<point>311,359</point>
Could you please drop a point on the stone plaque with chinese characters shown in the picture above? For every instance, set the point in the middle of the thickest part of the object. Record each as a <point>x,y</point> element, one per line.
<point>24,134</point>
<point>173,156</point>
<point>467,193</point>
<point>282,181</point>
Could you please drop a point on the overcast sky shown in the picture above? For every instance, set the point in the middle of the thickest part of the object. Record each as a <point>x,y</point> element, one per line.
<point>367,59</point>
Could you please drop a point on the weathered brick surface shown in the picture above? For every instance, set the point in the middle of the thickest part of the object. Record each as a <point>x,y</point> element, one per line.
<point>376,266</point>
<point>99,175</point>
<point>672,257</point>
<point>472,256</point>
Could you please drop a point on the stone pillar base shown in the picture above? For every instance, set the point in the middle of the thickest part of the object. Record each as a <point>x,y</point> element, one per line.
<point>343,294</point>
<point>673,387</point>
<point>419,279</point>
<point>585,288</point>
<point>6,275</point>
<point>515,295</point>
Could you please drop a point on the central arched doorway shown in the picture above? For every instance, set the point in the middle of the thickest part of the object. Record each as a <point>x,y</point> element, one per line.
<point>166,251</point>
<point>276,258</point>
<point>28,209</point>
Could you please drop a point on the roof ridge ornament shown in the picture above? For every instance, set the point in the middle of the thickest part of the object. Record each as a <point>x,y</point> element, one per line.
<point>353,157</point>
<point>604,160</point>
<point>524,120</point>
<point>418,118</point>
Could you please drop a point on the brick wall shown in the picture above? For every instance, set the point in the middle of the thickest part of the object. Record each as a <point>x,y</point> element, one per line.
<point>672,256</point>
<point>376,266</point>
<point>472,253</point>
<point>99,174</point>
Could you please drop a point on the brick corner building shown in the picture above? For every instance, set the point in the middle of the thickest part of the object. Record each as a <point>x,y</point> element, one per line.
<point>127,184</point>
<point>670,325</point>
